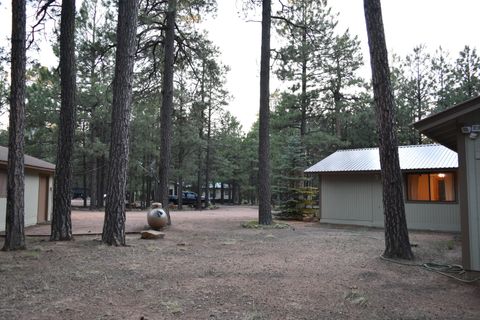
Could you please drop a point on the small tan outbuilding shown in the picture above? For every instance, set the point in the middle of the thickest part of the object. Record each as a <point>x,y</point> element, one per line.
<point>351,190</point>
<point>38,189</point>
<point>458,128</point>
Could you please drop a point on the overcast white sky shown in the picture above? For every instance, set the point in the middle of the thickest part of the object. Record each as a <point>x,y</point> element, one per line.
<point>451,24</point>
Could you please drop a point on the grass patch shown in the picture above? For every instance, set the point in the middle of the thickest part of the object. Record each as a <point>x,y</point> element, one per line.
<point>173,307</point>
<point>356,298</point>
<point>450,244</point>
<point>255,225</point>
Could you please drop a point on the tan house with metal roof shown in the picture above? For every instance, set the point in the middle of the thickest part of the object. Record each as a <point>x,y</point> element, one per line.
<point>351,190</point>
<point>458,128</point>
<point>38,189</point>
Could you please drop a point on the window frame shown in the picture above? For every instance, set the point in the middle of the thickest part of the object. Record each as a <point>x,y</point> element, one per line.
<point>455,187</point>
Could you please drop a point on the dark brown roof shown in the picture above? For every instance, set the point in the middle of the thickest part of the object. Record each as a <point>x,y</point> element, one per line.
<point>444,126</point>
<point>30,162</point>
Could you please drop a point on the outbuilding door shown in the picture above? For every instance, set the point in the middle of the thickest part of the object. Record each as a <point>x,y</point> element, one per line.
<point>42,212</point>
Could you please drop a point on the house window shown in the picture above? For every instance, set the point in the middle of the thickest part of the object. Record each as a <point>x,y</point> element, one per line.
<point>433,187</point>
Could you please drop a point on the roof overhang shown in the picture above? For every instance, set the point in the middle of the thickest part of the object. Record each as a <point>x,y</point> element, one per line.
<point>443,127</point>
<point>39,169</point>
<point>432,170</point>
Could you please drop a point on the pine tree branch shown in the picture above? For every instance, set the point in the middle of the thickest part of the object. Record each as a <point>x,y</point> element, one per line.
<point>41,15</point>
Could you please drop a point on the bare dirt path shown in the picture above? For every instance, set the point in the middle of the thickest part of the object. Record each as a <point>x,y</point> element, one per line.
<point>86,222</point>
<point>209,267</point>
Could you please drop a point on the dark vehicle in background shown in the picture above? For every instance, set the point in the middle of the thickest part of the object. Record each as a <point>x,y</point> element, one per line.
<point>189,198</point>
<point>79,193</point>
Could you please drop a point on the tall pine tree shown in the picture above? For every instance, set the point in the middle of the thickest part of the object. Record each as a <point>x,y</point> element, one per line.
<point>264,191</point>
<point>114,225</point>
<point>61,216</point>
<point>167,106</point>
<point>397,244</point>
<point>15,215</point>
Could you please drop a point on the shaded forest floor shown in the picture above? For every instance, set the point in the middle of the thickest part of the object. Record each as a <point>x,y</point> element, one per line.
<point>209,267</point>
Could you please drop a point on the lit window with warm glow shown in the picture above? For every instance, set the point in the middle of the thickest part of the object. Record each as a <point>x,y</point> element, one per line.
<point>431,187</point>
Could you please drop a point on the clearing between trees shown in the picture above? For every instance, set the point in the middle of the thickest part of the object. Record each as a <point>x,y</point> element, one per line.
<point>209,267</point>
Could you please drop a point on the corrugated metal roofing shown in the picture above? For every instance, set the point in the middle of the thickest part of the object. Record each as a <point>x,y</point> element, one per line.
<point>418,157</point>
<point>30,162</point>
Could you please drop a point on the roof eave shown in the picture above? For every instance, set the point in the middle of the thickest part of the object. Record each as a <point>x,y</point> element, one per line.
<point>442,127</point>
<point>30,167</point>
<point>378,171</point>
<point>449,114</point>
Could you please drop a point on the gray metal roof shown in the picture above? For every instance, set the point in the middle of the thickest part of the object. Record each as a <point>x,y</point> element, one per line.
<point>418,157</point>
<point>30,162</point>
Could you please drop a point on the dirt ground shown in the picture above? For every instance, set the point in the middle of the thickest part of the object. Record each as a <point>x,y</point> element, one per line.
<point>209,267</point>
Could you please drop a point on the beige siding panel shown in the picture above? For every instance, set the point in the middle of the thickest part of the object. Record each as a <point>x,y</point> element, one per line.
<point>377,199</point>
<point>31,202</point>
<point>3,211</point>
<point>50,197</point>
<point>347,197</point>
<point>31,199</point>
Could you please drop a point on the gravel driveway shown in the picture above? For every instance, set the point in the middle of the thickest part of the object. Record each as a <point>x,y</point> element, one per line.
<point>209,267</point>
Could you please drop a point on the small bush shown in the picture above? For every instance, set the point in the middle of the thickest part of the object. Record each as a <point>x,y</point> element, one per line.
<point>300,205</point>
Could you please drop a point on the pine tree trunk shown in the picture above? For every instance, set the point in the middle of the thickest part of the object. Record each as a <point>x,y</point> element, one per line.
<point>264,192</point>
<point>142,199</point>
<point>61,216</point>
<point>100,182</point>
<point>181,148</point>
<point>15,214</point>
<point>207,157</point>
<point>213,194</point>
<point>338,112</point>
<point>149,192</point>
<point>304,102</point>
<point>180,193</point>
<point>397,244</point>
<point>222,193</point>
<point>198,205</point>
<point>167,106</point>
<point>236,194</point>
<point>93,126</point>
<point>114,225</point>
<point>93,183</point>
<point>201,115</point>
<point>84,174</point>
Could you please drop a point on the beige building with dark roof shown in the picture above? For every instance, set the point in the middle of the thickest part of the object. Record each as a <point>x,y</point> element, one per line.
<point>38,189</point>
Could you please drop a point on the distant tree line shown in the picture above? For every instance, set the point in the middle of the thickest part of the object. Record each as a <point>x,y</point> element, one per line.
<point>179,131</point>
<point>327,104</point>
